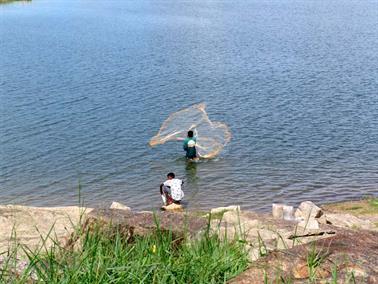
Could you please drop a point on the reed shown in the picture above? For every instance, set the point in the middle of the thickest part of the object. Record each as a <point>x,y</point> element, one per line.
<point>10,1</point>
<point>155,258</point>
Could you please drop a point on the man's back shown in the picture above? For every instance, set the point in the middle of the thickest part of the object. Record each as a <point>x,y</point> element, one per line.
<point>189,147</point>
<point>175,186</point>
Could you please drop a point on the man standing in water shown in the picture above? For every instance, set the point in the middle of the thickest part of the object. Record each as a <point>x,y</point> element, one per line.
<point>190,146</point>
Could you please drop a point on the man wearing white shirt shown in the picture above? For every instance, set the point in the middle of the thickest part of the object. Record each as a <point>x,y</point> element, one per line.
<point>171,191</point>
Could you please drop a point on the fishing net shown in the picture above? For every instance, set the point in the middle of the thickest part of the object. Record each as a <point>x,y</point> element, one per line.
<point>212,136</point>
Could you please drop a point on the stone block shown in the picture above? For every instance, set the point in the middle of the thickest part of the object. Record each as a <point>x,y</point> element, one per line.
<point>117,205</point>
<point>288,212</point>
<point>349,221</point>
<point>309,224</point>
<point>277,210</point>
<point>234,208</point>
<point>308,209</point>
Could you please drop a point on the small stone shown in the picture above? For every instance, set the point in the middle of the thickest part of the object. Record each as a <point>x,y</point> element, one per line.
<point>309,209</point>
<point>117,205</point>
<point>310,224</point>
<point>172,207</point>
<point>253,253</point>
<point>260,235</point>
<point>284,243</point>
<point>348,221</point>
<point>356,270</point>
<point>146,212</point>
<point>298,216</point>
<point>300,271</point>
<point>237,219</point>
<point>322,273</point>
<point>288,212</point>
<point>322,220</point>
<point>235,208</point>
<point>277,210</point>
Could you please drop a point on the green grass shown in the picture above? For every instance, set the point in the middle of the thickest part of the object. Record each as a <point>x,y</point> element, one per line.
<point>314,259</point>
<point>373,203</point>
<point>366,206</point>
<point>10,1</point>
<point>155,258</point>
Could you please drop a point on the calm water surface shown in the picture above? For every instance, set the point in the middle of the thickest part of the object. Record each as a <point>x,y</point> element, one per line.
<point>85,84</point>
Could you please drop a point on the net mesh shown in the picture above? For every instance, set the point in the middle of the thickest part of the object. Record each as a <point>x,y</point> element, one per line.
<point>212,136</point>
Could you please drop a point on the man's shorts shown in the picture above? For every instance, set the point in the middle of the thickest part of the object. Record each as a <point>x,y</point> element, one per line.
<point>168,192</point>
<point>191,153</point>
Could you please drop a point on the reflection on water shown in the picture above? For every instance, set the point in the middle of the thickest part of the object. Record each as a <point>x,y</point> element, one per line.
<point>191,171</point>
<point>191,180</point>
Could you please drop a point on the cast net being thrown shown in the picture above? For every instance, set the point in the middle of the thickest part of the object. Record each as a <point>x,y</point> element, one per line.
<point>212,136</point>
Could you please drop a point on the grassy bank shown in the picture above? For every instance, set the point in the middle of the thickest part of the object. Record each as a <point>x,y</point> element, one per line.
<point>366,206</point>
<point>113,253</point>
<point>10,1</point>
<point>155,258</point>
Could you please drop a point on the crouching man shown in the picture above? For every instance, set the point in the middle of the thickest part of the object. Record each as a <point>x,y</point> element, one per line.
<point>171,192</point>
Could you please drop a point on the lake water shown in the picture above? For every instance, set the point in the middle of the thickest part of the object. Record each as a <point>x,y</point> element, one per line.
<point>85,84</point>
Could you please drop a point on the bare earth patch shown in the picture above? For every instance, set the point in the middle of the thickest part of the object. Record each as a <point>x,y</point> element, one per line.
<point>348,257</point>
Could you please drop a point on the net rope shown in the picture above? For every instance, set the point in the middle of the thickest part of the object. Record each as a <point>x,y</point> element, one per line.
<point>212,136</point>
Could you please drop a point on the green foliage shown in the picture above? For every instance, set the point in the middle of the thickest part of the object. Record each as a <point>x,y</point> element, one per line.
<point>350,278</point>
<point>366,206</point>
<point>334,274</point>
<point>373,202</point>
<point>10,1</point>
<point>156,258</point>
<point>262,247</point>
<point>314,259</point>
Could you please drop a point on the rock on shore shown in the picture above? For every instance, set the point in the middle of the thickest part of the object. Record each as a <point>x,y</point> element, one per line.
<point>28,225</point>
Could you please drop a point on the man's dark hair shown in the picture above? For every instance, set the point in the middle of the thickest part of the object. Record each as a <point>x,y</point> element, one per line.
<point>190,133</point>
<point>171,175</point>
